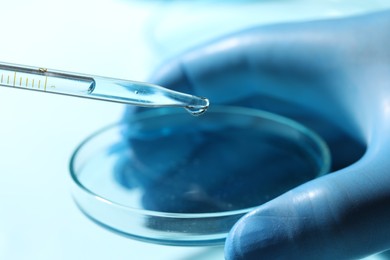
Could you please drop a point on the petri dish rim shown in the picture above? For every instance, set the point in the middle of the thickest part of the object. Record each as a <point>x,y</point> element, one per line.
<point>325,155</point>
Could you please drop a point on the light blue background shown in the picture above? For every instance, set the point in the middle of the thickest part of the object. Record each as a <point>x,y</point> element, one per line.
<point>38,132</point>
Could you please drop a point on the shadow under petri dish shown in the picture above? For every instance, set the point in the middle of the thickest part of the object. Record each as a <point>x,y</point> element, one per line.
<point>171,178</point>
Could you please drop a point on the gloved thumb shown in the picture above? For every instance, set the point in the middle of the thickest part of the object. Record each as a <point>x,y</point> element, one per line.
<point>339,216</point>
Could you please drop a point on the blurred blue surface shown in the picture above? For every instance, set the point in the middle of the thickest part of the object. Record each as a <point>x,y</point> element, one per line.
<point>124,39</point>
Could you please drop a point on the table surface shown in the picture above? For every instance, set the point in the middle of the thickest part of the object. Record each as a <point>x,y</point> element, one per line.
<point>38,133</point>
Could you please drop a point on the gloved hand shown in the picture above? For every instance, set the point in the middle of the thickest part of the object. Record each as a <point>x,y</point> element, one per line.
<point>334,77</point>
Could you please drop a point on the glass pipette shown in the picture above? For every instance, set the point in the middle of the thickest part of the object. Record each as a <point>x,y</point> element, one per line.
<point>97,87</point>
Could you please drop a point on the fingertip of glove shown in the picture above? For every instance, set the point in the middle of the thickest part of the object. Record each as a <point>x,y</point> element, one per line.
<point>255,237</point>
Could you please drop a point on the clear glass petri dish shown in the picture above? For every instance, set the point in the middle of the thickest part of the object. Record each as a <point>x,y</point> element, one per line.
<point>170,178</point>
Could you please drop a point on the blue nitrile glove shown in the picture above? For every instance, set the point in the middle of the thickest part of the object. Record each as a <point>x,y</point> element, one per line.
<point>334,77</point>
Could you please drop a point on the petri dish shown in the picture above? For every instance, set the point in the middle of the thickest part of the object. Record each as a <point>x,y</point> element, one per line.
<point>166,177</point>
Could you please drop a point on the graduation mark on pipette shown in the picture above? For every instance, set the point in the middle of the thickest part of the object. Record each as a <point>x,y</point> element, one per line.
<point>97,87</point>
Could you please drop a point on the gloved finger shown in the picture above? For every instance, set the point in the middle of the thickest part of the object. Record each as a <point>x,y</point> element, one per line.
<point>343,215</point>
<point>280,63</point>
<point>298,70</point>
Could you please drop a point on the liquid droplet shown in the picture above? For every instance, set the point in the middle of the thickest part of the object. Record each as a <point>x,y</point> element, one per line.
<point>198,109</point>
